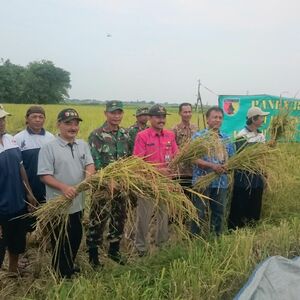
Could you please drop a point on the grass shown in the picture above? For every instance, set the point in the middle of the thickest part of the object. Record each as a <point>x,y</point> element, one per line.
<point>189,269</point>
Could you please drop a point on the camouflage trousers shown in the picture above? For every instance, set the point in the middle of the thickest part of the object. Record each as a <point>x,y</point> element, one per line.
<point>101,212</point>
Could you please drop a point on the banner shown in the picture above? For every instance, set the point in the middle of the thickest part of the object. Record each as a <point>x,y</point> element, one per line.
<point>235,110</point>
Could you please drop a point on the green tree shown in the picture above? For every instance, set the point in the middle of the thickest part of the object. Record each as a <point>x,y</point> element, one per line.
<point>45,83</point>
<point>39,82</point>
<point>11,82</point>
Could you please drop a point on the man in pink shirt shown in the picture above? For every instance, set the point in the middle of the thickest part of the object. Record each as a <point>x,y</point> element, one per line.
<point>157,146</point>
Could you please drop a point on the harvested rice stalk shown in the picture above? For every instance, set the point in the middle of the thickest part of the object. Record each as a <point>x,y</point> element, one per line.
<point>195,149</point>
<point>283,126</point>
<point>256,159</point>
<point>130,177</point>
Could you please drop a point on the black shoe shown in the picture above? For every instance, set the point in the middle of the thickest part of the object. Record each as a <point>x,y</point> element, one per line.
<point>114,253</point>
<point>93,257</point>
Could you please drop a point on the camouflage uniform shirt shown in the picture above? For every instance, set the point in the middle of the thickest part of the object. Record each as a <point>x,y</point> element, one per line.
<point>108,146</point>
<point>132,132</point>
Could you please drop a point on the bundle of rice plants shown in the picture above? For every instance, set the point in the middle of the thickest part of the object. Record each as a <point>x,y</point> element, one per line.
<point>283,126</point>
<point>128,177</point>
<point>196,148</point>
<point>254,159</point>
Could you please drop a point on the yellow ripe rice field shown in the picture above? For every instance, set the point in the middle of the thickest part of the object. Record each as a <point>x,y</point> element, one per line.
<point>92,115</point>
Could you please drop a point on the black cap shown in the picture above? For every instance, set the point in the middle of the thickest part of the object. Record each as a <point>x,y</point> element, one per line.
<point>67,115</point>
<point>157,110</point>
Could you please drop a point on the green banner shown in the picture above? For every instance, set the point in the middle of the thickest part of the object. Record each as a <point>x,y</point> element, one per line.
<point>235,110</point>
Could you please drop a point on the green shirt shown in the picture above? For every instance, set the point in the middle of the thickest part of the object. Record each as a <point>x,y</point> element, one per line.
<point>108,146</point>
<point>132,132</point>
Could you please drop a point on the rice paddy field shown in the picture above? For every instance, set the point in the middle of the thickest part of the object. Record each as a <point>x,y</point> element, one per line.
<point>208,268</point>
<point>92,115</point>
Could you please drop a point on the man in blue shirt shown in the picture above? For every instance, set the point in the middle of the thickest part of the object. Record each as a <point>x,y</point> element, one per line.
<point>215,162</point>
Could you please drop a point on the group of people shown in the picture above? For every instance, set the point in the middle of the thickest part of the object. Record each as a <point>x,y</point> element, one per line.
<point>36,166</point>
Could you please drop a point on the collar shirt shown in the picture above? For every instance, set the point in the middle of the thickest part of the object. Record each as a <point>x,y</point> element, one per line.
<point>108,146</point>
<point>183,133</point>
<point>66,164</point>
<point>248,180</point>
<point>251,136</point>
<point>12,193</point>
<point>156,148</point>
<point>222,152</point>
<point>30,144</point>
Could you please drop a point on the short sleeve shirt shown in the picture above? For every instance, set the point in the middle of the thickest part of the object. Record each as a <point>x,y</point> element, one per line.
<point>66,165</point>
<point>154,147</point>
<point>183,133</point>
<point>30,144</point>
<point>245,179</point>
<point>252,137</point>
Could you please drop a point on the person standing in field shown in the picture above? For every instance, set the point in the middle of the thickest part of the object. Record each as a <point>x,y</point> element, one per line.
<point>158,146</point>
<point>248,188</point>
<point>63,163</point>
<point>15,188</point>
<point>30,140</point>
<point>142,118</point>
<point>215,162</point>
<point>108,143</point>
<point>183,134</point>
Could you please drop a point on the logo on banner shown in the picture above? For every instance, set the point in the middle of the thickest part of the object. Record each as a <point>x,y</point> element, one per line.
<point>231,106</point>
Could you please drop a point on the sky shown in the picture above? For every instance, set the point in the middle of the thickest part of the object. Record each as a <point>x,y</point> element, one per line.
<point>158,50</point>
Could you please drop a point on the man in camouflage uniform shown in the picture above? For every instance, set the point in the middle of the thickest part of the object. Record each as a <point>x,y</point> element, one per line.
<point>108,143</point>
<point>142,118</point>
<point>183,134</point>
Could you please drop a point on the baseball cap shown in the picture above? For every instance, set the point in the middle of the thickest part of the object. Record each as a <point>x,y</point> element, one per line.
<point>142,111</point>
<point>157,110</point>
<point>35,109</point>
<point>256,111</point>
<point>3,113</point>
<point>114,105</point>
<point>67,115</point>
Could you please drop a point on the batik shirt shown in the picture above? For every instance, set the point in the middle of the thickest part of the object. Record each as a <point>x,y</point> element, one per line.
<point>218,158</point>
<point>183,134</point>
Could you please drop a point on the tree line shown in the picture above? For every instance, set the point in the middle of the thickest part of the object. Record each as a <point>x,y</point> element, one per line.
<point>40,82</point>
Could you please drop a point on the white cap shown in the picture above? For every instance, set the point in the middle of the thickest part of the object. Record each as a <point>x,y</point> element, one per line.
<point>3,113</point>
<point>256,111</point>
